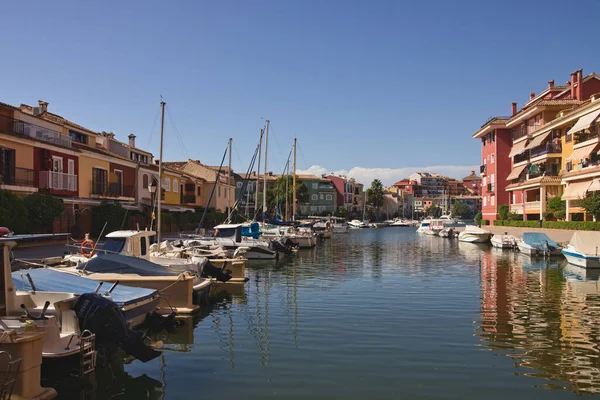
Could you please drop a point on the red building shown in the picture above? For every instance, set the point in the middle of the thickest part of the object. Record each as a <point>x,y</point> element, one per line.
<point>410,186</point>
<point>473,183</point>
<point>58,171</point>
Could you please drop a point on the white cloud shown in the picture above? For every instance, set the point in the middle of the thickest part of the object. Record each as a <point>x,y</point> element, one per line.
<point>390,175</point>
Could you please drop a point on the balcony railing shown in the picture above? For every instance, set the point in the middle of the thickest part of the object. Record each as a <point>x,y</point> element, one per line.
<point>111,189</point>
<point>532,205</point>
<point>17,127</point>
<point>519,133</point>
<point>58,181</point>
<point>548,148</point>
<point>521,157</point>
<point>584,137</point>
<point>17,177</point>
<point>516,208</point>
<point>189,199</point>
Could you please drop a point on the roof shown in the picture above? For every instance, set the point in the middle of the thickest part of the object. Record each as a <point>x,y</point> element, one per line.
<point>472,177</point>
<point>48,116</point>
<point>558,102</point>
<point>8,105</point>
<point>100,151</point>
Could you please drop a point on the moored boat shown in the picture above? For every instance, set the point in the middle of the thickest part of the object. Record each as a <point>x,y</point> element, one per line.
<point>538,244</point>
<point>356,224</point>
<point>474,234</point>
<point>583,248</point>
<point>504,241</point>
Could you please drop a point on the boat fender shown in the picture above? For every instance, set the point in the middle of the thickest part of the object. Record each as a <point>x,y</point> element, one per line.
<point>88,248</point>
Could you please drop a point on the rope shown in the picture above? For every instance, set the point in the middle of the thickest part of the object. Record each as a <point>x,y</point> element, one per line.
<point>214,188</point>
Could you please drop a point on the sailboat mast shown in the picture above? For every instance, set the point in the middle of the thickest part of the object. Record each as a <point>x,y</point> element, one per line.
<point>294,186</point>
<point>257,191</point>
<point>265,175</point>
<point>160,168</point>
<point>229,178</point>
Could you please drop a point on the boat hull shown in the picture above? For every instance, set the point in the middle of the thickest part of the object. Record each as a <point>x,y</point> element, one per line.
<point>471,238</point>
<point>581,260</point>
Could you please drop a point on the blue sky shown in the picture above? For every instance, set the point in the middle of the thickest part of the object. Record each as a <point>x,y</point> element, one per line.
<point>380,88</point>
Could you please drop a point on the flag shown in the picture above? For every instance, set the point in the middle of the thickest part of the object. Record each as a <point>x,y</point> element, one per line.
<point>153,216</point>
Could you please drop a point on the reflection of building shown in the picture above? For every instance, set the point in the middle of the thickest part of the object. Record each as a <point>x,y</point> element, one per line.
<point>528,308</point>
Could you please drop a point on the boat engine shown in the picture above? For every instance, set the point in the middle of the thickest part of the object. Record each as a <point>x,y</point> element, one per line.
<point>282,245</point>
<point>102,316</point>
<point>210,271</point>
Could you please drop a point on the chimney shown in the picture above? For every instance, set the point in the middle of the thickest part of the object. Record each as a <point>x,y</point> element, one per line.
<point>131,140</point>
<point>551,84</point>
<point>514,108</point>
<point>573,93</point>
<point>43,106</point>
<point>579,79</point>
<point>472,172</point>
<point>531,95</point>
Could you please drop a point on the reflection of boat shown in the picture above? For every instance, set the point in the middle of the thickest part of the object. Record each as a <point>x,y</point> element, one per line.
<point>538,244</point>
<point>504,241</point>
<point>474,234</point>
<point>582,250</point>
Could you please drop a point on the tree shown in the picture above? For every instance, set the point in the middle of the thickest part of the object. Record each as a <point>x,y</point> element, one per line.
<point>503,212</point>
<point>277,195</point>
<point>341,212</point>
<point>43,209</point>
<point>13,212</point>
<point>478,218</point>
<point>556,204</point>
<point>113,215</point>
<point>461,210</point>
<point>375,196</point>
<point>591,204</point>
<point>434,211</point>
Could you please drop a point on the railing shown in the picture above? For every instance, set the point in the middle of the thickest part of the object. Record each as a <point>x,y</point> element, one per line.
<point>547,148</point>
<point>519,133</point>
<point>111,189</point>
<point>532,205</point>
<point>532,175</point>
<point>516,208</point>
<point>584,137</point>
<point>521,157</point>
<point>189,199</point>
<point>58,181</point>
<point>482,169</point>
<point>17,177</point>
<point>17,127</point>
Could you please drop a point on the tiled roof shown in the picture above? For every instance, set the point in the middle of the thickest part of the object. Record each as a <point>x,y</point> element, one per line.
<point>175,164</point>
<point>83,147</point>
<point>472,177</point>
<point>8,105</point>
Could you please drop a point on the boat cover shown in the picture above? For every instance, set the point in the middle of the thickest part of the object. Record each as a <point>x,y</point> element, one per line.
<point>475,230</point>
<point>586,242</point>
<point>48,280</point>
<point>119,264</point>
<point>537,239</point>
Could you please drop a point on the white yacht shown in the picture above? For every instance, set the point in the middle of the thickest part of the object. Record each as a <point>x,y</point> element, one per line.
<point>504,241</point>
<point>474,234</point>
<point>356,224</point>
<point>583,248</point>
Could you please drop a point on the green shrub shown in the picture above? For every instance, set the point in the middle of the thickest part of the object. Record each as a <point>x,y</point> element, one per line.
<point>520,224</point>
<point>575,225</point>
<point>485,222</point>
<point>503,212</point>
<point>513,216</point>
<point>14,214</point>
<point>561,214</point>
<point>478,218</point>
<point>113,215</point>
<point>43,210</point>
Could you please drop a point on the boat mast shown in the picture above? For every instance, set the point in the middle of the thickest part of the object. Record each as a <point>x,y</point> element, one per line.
<point>294,186</point>
<point>229,179</point>
<point>265,176</point>
<point>257,191</point>
<point>160,168</point>
<point>364,206</point>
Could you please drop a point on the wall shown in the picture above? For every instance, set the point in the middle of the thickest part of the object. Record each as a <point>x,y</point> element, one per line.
<point>338,184</point>
<point>23,150</point>
<point>589,88</point>
<point>43,161</point>
<point>142,192</point>
<point>86,164</point>
<point>172,197</point>
<point>129,178</point>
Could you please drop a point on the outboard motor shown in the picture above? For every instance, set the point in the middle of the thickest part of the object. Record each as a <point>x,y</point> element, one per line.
<point>220,274</point>
<point>282,245</point>
<point>103,317</point>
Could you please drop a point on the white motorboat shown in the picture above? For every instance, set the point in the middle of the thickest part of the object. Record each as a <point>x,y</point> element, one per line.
<point>538,244</point>
<point>356,224</point>
<point>474,234</point>
<point>504,241</point>
<point>402,223</point>
<point>583,248</point>
<point>230,237</point>
<point>424,226</point>
<point>339,225</point>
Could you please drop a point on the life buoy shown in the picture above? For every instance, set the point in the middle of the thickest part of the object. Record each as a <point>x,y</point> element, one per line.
<point>87,248</point>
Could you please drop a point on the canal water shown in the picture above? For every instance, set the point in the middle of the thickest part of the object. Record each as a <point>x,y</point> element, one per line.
<point>383,314</point>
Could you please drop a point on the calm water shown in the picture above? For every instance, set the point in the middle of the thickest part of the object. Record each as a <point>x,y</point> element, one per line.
<point>384,313</point>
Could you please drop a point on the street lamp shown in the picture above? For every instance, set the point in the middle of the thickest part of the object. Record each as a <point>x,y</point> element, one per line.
<point>152,190</point>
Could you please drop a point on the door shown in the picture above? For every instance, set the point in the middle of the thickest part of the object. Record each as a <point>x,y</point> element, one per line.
<point>7,169</point>
<point>99,184</point>
<point>71,179</point>
<point>119,176</point>
<point>56,176</point>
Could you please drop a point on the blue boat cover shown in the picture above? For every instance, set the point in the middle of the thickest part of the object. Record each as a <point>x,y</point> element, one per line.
<point>538,239</point>
<point>47,280</point>
<point>119,264</point>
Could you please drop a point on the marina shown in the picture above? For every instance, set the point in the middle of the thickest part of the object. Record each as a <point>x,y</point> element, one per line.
<point>422,311</point>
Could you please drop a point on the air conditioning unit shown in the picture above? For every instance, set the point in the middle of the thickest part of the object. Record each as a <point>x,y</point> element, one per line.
<point>37,110</point>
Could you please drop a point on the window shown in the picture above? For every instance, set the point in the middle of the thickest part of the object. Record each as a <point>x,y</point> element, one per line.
<point>167,184</point>
<point>199,191</point>
<point>315,185</point>
<point>78,137</point>
<point>492,136</point>
<point>239,185</point>
<point>568,134</point>
<point>484,201</point>
<point>492,159</point>
<point>57,164</point>
<point>569,165</point>
<point>483,140</point>
<point>145,181</point>
<point>99,181</point>
<point>175,185</point>
<point>321,196</point>
<point>143,246</point>
<point>514,199</point>
<point>492,199</point>
<point>329,197</point>
<point>314,197</point>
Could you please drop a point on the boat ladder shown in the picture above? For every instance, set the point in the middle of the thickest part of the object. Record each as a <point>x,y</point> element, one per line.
<point>87,353</point>
<point>10,372</point>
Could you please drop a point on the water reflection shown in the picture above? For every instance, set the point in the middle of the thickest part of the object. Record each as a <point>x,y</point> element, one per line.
<point>545,316</point>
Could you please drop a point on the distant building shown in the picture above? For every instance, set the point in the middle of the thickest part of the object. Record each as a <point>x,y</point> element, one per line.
<point>473,183</point>
<point>322,196</point>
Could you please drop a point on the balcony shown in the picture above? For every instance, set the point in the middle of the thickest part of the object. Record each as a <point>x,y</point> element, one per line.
<point>516,208</point>
<point>189,199</point>
<point>533,206</point>
<point>58,181</point>
<point>548,148</point>
<point>521,157</point>
<point>482,169</point>
<point>519,133</point>
<point>111,189</point>
<point>586,137</point>
<point>17,177</point>
<point>21,128</point>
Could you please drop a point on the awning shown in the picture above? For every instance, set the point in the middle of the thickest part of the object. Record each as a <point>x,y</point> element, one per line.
<point>516,172</point>
<point>582,152</point>
<point>576,190</point>
<point>585,122</point>
<point>538,140</point>
<point>595,186</point>
<point>517,149</point>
